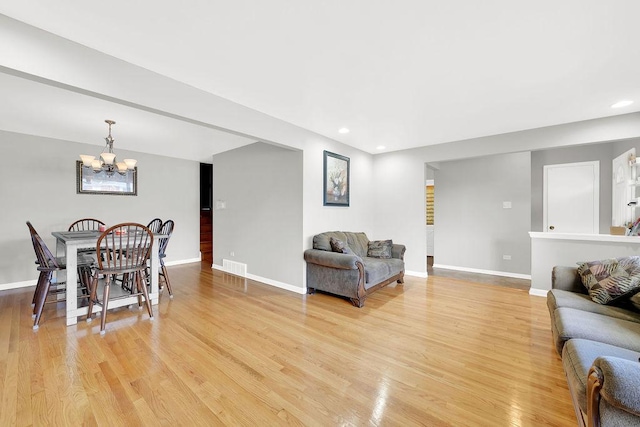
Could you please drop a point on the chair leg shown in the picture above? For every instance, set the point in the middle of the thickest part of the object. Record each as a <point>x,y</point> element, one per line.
<point>105,302</point>
<point>143,287</point>
<point>92,296</point>
<point>165,276</point>
<point>85,277</point>
<point>35,293</point>
<point>39,285</point>
<point>41,298</point>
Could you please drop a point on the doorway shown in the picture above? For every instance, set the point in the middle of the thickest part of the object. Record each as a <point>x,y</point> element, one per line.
<point>206,213</point>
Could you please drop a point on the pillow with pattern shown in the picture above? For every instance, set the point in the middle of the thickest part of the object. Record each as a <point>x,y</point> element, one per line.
<point>610,280</point>
<point>380,249</point>
<point>339,246</point>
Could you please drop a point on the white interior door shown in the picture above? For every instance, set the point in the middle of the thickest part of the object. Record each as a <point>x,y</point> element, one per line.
<point>621,214</point>
<point>571,198</point>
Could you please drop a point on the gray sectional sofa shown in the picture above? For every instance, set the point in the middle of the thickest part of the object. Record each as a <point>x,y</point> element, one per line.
<point>600,350</point>
<point>353,274</point>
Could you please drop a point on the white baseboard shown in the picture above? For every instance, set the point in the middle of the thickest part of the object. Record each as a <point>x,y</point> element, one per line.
<point>480,271</point>
<point>416,274</point>
<point>27,283</point>
<point>182,261</point>
<point>538,292</point>
<point>17,285</point>
<point>267,281</point>
<point>277,284</point>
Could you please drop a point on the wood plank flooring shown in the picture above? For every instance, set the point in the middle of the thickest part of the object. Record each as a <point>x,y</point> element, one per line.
<point>435,352</point>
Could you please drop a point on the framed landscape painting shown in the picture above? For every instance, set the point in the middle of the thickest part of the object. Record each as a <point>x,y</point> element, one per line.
<point>336,180</point>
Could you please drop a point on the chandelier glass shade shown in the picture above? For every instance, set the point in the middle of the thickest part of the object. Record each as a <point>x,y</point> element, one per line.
<point>106,161</point>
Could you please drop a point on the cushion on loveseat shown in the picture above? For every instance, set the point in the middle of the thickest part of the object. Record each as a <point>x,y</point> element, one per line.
<point>610,280</point>
<point>571,323</point>
<point>380,249</point>
<point>357,241</point>
<point>577,357</point>
<point>558,298</point>
<point>379,269</point>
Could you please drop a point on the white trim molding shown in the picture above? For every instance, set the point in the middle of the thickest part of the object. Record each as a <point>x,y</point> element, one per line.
<point>27,283</point>
<point>17,285</point>
<point>480,271</point>
<point>416,274</point>
<point>182,261</point>
<point>538,292</point>
<point>266,281</point>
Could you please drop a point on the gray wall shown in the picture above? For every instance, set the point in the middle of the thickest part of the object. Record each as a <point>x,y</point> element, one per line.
<point>38,183</point>
<point>399,176</point>
<point>602,152</point>
<point>473,229</point>
<point>261,186</point>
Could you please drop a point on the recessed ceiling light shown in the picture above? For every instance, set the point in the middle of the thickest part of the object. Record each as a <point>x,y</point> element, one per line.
<point>381,147</point>
<point>343,130</point>
<point>621,104</point>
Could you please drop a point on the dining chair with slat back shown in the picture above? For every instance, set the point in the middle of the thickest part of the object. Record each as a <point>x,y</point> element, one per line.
<point>48,264</point>
<point>86,224</point>
<point>167,229</point>
<point>155,225</point>
<point>122,249</point>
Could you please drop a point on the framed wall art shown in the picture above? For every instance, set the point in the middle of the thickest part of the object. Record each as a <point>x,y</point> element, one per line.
<point>89,181</point>
<point>336,180</point>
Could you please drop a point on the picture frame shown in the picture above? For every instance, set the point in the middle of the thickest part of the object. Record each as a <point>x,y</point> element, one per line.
<point>89,181</point>
<point>336,178</point>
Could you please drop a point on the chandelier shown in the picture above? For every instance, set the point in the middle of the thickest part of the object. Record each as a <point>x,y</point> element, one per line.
<point>106,162</point>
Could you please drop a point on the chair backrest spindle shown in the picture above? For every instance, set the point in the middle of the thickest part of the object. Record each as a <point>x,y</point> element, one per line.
<point>126,247</point>
<point>155,225</point>
<point>86,224</point>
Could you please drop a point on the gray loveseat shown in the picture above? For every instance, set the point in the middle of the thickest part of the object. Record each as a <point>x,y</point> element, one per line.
<point>600,347</point>
<point>352,275</point>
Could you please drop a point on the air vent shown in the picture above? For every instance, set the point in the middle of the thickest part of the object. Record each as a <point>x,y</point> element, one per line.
<point>233,267</point>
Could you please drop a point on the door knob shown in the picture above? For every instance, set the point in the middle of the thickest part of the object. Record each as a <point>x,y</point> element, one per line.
<point>551,227</point>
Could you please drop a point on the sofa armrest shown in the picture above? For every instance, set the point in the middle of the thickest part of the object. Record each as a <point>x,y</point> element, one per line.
<point>397,251</point>
<point>567,279</point>
<point>332,259</point>
<point>615,381</point>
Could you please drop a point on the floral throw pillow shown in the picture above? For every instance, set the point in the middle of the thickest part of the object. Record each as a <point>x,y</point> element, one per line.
<point>610,280</point>
<point>380,249</point>
<point>339,246</point>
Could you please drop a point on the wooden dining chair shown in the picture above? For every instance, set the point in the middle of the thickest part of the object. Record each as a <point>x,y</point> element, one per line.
<point>167,228</point>
<point>48,264</point>
<point>155,225</point>
<point>86,224</point>
<point>123,250</point>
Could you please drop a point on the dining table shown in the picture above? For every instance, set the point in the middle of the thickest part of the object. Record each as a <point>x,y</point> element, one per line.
<point>69,242</point>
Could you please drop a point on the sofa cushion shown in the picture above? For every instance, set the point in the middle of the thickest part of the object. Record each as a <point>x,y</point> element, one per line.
<point>571,323</point>
<point>558,298</point>
<point>378,269</point>
<point>610,280</point>
<point>578,356</point>
<point>339,246</point>
<point>358,242</point>
<point>380,249</point>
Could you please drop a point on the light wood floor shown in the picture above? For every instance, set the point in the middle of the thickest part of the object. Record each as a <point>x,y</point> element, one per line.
<point>437,351</point>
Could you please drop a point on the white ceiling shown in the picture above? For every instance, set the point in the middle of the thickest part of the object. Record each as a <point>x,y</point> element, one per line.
<point>401,74</point>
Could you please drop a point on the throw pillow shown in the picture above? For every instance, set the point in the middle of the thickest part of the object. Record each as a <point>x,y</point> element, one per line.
<point>610,280</point>
<point>635,301</point>
<point>339,246</point>
<point>380,249</point>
